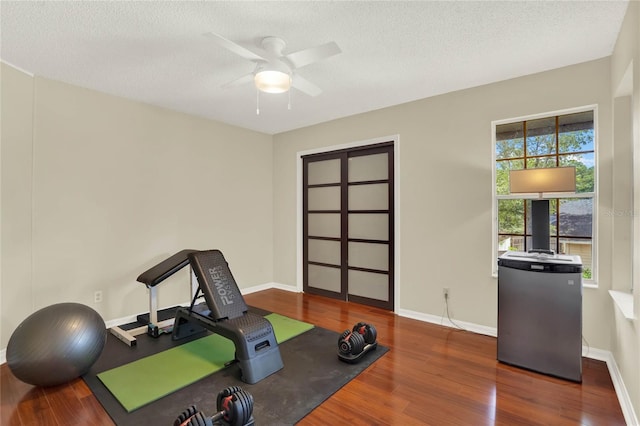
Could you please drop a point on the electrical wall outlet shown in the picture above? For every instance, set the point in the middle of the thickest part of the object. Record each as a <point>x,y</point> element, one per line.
<point>97,296</point>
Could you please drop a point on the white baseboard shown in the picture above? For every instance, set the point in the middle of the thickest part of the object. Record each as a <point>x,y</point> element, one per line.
<point>628,411</point>
<point>597,354</point>
<point>268,286</point>
<point>445,322</point>
<point>594,353</point>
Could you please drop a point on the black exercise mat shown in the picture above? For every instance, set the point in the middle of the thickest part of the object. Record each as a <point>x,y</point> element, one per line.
<point>311,374</point>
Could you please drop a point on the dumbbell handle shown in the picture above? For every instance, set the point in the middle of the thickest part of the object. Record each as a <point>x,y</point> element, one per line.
<point>218,416</point>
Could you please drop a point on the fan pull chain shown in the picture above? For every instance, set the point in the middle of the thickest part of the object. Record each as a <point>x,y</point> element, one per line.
<point>257,101</point>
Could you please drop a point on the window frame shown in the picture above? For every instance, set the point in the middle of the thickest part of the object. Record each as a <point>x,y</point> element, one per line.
<point>593,195</point>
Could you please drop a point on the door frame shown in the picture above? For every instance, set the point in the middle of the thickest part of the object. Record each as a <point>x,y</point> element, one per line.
<point>395,139</point>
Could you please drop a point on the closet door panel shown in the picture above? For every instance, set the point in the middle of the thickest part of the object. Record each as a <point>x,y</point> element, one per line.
<point>348,215</point>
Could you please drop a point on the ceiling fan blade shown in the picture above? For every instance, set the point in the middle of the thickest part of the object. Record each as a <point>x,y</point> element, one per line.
<point>247,78</point>
<point>313,54</point>
<point>234,47</point>
<point>305,86</point>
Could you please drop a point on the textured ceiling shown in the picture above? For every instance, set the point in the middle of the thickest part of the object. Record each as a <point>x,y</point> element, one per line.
<point>392,52</point>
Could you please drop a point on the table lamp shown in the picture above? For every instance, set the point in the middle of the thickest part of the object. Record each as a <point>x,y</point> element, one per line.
<point>546,180</point>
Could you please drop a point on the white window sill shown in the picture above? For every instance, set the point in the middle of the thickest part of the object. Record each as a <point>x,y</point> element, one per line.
<point>624,302</point>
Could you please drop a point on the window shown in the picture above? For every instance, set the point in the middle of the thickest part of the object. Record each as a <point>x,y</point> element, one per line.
<point>551,141</point>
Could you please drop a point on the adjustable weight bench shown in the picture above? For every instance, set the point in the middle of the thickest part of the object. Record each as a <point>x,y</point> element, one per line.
<point>227,314</point>
<point>151,278</point>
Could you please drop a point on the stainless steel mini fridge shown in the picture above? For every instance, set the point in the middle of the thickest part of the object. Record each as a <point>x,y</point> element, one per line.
<point>540,313</point>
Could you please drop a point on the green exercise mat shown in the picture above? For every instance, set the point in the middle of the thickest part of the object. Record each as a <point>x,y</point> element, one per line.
<point>148,379</point>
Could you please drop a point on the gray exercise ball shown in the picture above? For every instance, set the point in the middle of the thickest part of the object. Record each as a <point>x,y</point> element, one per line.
<point>56,344</point>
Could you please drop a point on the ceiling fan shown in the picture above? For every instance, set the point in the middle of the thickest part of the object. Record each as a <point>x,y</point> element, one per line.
<point>275,72</point>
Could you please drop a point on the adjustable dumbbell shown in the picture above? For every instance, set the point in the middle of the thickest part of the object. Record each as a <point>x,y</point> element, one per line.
<point>355,343</point>
<point>234,405</point>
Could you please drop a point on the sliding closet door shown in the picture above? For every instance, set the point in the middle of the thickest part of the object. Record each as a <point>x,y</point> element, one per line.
<point>348,225</point>
<point>323,225</point>
<point>370,227</point>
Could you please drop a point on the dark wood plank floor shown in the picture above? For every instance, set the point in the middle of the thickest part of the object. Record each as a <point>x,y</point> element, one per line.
<point>432,375</point>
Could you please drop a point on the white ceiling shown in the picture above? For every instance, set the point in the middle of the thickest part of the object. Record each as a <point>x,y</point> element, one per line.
<point>392,52</point>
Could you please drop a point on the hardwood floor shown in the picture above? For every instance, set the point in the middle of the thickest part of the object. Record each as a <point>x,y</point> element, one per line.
<point>432,375</point>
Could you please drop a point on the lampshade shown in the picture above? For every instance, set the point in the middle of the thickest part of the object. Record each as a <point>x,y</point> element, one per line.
<point>554,179</point>
<point>272,81</point>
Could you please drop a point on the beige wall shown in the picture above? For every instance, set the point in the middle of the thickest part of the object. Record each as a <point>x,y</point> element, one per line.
<point>625,333</point>
<point>445,183</point>
<point>109,187</point>
<point>16,133</point>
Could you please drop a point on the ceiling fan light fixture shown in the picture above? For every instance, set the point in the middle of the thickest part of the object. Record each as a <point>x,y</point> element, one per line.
<point>272,81</point>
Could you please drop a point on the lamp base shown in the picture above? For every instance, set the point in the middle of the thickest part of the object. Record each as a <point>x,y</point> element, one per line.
<point>540,225</point>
